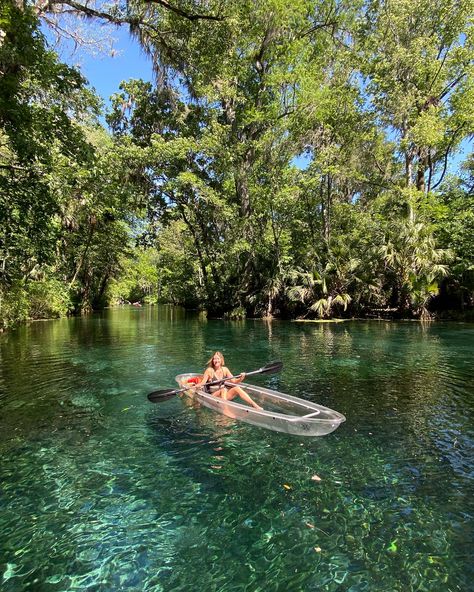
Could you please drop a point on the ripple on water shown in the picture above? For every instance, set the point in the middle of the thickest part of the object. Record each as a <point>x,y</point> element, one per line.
<point>102,491</point>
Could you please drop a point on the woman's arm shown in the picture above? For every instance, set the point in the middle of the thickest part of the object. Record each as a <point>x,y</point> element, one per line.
<point>234,380</point>
<point>205,377</point>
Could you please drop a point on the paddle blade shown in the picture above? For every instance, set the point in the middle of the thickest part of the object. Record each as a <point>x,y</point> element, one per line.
<point>272,367</point>
<point>160,396</point>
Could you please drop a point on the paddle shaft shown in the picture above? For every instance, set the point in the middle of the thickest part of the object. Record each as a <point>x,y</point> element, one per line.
<point>214,382</point>
<point>156,396</point>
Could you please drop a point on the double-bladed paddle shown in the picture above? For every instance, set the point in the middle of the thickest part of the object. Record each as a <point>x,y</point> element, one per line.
<point>159,396</point>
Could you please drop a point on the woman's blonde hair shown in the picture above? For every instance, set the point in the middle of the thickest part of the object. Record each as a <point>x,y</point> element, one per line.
<point>217,353</point>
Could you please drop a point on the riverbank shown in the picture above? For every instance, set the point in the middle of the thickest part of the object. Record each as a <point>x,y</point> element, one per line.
<point>466,316</point>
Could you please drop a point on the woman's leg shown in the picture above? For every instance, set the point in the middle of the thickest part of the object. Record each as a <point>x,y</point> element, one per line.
<point>222,393</point>
<point>237,390</point>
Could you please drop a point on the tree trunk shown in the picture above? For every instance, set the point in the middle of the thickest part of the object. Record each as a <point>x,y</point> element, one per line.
<point>326,202</point>
<point>241,186</point>
<point>408,170</point>
<point>102,287</point>
<point>82,257</point>
<point>420,174</point>
<point>210,290</point>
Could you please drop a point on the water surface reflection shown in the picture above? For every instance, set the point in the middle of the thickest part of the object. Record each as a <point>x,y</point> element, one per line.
<point>103,491</point>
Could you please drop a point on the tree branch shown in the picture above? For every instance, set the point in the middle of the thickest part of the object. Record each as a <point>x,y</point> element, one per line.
<point>450,87</point>
<point>318,26</point>
<point>116,17</point>
<point>329,21</point>
<point>87,11</point>
<point>12,167</point>
<point>446,156</point>
<point>183,13</point>
<point>440,68</point>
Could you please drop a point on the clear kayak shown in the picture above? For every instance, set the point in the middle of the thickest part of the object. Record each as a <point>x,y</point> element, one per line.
<point>281,412</point>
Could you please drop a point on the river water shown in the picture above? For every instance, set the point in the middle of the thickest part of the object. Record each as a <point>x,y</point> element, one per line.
<point>103,491</point>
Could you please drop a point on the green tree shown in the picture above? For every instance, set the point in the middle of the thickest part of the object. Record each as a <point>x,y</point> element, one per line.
<point>41,105</point>
<point>455,231</point>
<point>417,59</point>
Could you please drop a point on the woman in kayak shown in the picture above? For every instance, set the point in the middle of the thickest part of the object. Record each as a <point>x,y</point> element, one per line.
<point>216,370</point>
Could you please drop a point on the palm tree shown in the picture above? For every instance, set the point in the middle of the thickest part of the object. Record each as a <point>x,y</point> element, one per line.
<point>327,287</point>
<point>414,266</point>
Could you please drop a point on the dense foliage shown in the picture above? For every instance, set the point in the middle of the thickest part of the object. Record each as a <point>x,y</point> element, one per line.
<point>291,160</point>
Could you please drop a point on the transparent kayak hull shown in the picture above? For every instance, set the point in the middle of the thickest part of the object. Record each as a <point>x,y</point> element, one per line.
<point>281,412</point>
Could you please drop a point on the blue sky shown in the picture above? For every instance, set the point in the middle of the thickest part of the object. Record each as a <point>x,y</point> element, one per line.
<point>105,73</point>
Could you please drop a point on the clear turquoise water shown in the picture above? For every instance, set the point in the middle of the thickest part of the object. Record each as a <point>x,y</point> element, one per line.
<point>103,491</point>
